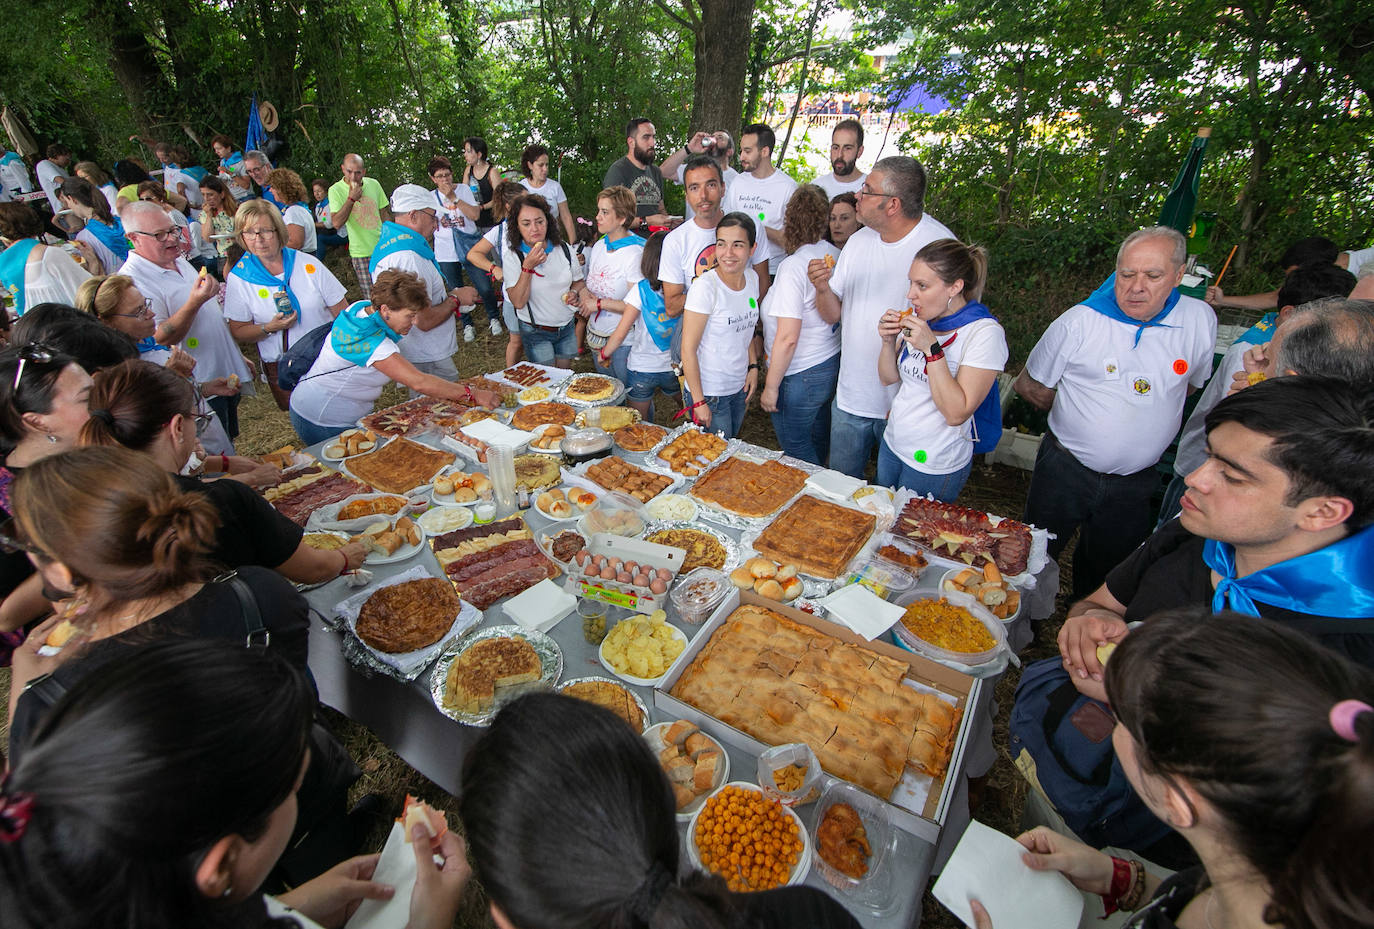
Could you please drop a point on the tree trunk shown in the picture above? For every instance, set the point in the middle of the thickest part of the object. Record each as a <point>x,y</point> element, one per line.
<point>722,57</point>
<point>133,63</point>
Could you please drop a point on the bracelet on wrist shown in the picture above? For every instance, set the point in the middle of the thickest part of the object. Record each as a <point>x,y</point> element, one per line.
<point>343,570</point>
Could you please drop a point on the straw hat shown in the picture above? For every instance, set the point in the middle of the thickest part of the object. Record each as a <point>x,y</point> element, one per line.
<point>267,113</point>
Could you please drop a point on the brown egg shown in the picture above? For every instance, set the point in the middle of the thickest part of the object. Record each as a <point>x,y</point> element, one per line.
<point>582,556</point>
<point>608,573</point>
<point>658,586</point>
<point>615,563</point>
<point>664,575</point>
<point>632,567</point>
<point>598,560</point>
<point>624,577</point>
<point>641,580</point>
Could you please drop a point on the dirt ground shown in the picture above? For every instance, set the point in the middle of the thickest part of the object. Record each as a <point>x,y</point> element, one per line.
<point>998,489</point>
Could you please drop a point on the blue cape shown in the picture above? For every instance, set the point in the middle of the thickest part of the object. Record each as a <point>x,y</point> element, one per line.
<point>397,238</point>
<point>1103,300</point>
<point>653,313</point>
<point>12,267</point>
<point>356,333</point>
<point>111,236</point>
<point>1336,581</point>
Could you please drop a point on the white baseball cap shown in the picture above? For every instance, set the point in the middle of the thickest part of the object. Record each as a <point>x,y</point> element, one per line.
<point>409,197</point>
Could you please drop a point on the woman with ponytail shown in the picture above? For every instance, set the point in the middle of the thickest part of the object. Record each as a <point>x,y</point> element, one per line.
<point>1256,744</point>
<point>149,409</point>
<point>127,554</point>
<point>571,823</point>
<point>945,351</point>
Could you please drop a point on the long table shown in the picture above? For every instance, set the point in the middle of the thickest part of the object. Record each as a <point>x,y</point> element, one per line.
<point>404,717</point>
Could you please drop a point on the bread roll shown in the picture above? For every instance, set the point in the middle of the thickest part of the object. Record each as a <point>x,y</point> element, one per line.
<point>682,796</point>
<point>769,588</point>
<point>762,568</point>
<point>443,484</point>
<point>786,571</point>
<point>791,588</point>
<point>704,772</point>
<point>464,494</point>
<point>741,578</point>
<point>481,482</point>
<point>337,450</point>
<point>677,733</point>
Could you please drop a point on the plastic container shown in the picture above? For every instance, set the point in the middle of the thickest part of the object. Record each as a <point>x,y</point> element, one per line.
<point>586,445</point>
<point>614,514</point>
<point>697,593</point>
<point>883,577</point>
<point>799,870</point>
<point>878,830</point>
<point>1011,588</point>
<point>785,756</point>
<point>593,616</point>
<point>905,638</point>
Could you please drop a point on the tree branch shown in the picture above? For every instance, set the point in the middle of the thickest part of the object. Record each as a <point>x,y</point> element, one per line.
<point>690,25</point>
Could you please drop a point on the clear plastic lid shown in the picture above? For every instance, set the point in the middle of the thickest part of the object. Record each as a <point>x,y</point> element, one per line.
<point>615,513</point>
<point>586,442</point>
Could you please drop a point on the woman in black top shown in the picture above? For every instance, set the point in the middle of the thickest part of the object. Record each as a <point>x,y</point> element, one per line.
<point>571,823</point>
<point>1257,745</point>
<point>149,409</point>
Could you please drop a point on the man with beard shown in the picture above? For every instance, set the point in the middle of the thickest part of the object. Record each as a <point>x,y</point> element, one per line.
<point>638,172</point>
<point>690,250</point>
<point>846,145</point>
<point>761,190</point>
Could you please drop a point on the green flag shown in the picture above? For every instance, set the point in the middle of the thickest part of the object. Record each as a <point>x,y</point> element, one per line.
<point>1182,198</point>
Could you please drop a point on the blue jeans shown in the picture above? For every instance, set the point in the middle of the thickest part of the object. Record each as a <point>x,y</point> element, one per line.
<point>485,288</point>
<point>453,277</point>
<point>852,439</point>
<point>619,367</point>
<point>325,240</point>
<point>227,409</point>
<point>1110,511</point>
<point>642,385</point>
<point>727,413</point>
<point>545,347</point>
<point>894,473</point>
<point>311,433</point>
<point>802,422</point>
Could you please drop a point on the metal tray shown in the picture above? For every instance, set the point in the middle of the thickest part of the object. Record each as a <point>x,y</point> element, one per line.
<point>550,657</point>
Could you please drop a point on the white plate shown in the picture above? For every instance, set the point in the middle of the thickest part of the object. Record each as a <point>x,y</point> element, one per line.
<point>654,736</point>
<point>661,500</point>
<point>799,870</point>
<point>402,553</point>
<point>575,514</point>
<point>326,516</point>
<point>381,440</point>
<point>547,396</point>
<point>630,678</point>
<point>538,431</point>
<point>439,499</point>
<point>445,519</point>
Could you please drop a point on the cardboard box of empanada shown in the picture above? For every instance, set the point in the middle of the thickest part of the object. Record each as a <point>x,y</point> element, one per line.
<point>920,803</point>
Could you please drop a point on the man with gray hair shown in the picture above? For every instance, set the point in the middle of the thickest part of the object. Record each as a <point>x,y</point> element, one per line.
<point>1333,337</point>
<point>870,278</point>
<point>359,203</point>
<point>258,166</point>
<point>1114,371</point>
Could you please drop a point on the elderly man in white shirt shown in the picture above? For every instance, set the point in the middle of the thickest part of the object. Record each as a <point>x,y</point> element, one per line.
<point>406,244</point>
<point>1114,371</point>
<point>179,296</point>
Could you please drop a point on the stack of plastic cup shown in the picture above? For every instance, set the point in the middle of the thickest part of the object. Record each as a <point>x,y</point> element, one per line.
<point>501,465</point>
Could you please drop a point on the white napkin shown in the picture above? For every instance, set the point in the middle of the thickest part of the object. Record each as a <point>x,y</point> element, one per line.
<point>495,432</point>
<point>986,866</point>
<point>862,610</point>
<point>397,868</point>
<point>834,484</point>
<point>541,607</point>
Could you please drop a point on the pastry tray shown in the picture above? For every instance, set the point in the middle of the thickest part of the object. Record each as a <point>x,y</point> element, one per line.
<point>920,804</point>
<point>655,463</point>
<point>556,377</point>
<point>813,585</point>
<point>561,394</point>
<point>550,659</point>
<point>577,476</point>
<point>734,556</point>
<point>708,510</point>
<point>402,667</point>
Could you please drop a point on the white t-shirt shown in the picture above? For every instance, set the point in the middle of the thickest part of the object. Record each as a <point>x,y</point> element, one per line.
<point>552,192</point>
<point>545,306</point>
<point>723,355</point>
<point>53,278</point>
<point>108,261</point>
<point>1192,442</point>
<point>297,215</point>
<point>111,193</point>
<point>793,296</point>
<point>1360,260</point>
<point>689,250</point>
<point>208,339</point>
<point>1118,404</point>
<point>766,201</point>
<point>727,176</point>
<point>834,188</point>
<point>870,277</point>
<point>419,345</point>
<point>173,178</point>
<point>48,175</point>
<point>315,288</point>
<point>335,392</point>
<point>14,175</point>
<point>645,356</point>
<point>451,220</point>
<point>610,273</point>
<point>916,425</point>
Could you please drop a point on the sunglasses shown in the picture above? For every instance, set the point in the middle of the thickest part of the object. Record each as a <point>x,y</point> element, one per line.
<point>34,351</point>
<point>11,542</point>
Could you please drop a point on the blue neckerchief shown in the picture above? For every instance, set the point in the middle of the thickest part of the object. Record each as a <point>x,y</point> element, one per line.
<point>1260,332</point>
<point>397,238</point>
<point>653,312</point>
<point>969,312</point>
<point>9,157</point>
<point>356,333</point>
<point>622,242</point>
<point>1103,300</point>
<point>111,236</point>
<point>196,173</point>
<point>147,345</point>
<point>234,160</point>
<point>548,248</point>
<point>252,270</point>
<point>1336,581</point>
<point>12,267</point>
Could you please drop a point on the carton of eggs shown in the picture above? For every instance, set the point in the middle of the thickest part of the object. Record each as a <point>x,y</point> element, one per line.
<point>622,571</point>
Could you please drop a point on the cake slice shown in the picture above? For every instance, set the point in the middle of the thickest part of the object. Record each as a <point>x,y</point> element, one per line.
<point>477,676</point>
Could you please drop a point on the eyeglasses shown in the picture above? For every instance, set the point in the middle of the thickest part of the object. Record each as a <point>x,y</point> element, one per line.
<point>12,544</point>
<point>202,421</point>
<point>162,236</point>
<point>145,313</point>
<point>259,233</point>
<point>34,351</point>
<point>865,192</point>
